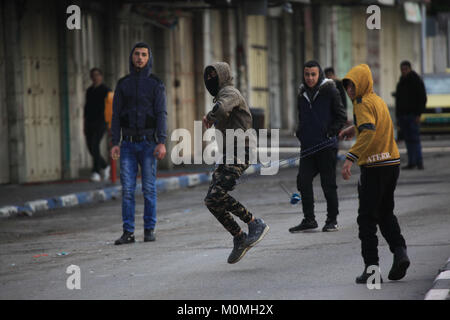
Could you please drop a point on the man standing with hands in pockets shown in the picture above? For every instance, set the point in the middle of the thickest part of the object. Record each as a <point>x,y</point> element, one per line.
<point>139,117</point>
<point>377,154</point>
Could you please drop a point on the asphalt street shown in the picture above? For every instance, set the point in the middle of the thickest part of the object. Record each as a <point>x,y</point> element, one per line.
<point>189,258</point>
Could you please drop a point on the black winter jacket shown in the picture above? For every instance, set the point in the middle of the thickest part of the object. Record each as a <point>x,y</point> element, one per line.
<point>322,118</point>
<point>139,105</point>
<point>410,96</point>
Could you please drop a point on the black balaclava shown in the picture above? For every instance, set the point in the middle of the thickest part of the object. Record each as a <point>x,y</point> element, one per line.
<point>212,85</point>
<point>312,91</point>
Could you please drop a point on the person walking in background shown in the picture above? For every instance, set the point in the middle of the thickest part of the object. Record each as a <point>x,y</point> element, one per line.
<point>139,116</point>
<point>377,154</point>
<point>95,125</point>
<point>329,74</point>
<point>410,102</point>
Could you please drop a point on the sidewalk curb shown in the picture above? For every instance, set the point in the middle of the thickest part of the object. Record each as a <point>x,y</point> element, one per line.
<point>441,285</point>
<point>101,195</point>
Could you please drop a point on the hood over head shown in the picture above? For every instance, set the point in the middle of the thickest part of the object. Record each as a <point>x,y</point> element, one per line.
<point>361,76</point>
<point>224,77</point>
<point>147,70</point>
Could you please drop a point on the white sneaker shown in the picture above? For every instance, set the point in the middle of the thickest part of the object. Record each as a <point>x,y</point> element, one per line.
<point>95,177</point>
<point>106,173</point>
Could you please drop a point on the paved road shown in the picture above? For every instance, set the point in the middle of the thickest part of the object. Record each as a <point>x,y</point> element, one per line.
<point>188,260</point>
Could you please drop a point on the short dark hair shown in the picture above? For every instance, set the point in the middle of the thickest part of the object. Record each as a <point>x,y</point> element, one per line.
<point>405,63</point>
<point>346,82</point>
<point>95,70</point>
<point>142,45</point>
<point>311,64</point>
<point>329,70</point>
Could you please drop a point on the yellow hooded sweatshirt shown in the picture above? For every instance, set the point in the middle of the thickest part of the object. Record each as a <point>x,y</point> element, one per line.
<point>375,144</point>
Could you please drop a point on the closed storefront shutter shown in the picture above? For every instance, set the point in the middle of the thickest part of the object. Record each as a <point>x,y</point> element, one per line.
<point>257,61</point>
<point>41,93</point>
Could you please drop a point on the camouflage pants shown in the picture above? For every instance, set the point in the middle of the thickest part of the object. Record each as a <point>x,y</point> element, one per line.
<point>220,203</point>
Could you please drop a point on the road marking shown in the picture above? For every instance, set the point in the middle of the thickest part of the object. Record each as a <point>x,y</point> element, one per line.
<point>444,275</point>
<point>441,281</point>
<point>297,150</point>
<point>437,294</point>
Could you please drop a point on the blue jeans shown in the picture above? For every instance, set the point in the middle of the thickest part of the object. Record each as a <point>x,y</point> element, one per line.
<point>133,154</point>
<point>411,133</point>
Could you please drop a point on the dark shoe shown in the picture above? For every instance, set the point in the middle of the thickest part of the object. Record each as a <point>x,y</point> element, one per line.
<point>330,226</point>
<point>127,237</point>
<point>400,264</point>
<point>305,225</point>
<point>362,279</point>
<point>257,229</point>
<point>409,167</point>
<point>149,235</point>
<point>420,167</point>
<point>239,249</point>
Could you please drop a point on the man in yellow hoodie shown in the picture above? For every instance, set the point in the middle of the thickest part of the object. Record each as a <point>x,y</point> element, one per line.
<point>376,152</point>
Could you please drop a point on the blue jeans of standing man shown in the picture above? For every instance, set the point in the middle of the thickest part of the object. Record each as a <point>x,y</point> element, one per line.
<point>133,154</point>
<point>411,132</point>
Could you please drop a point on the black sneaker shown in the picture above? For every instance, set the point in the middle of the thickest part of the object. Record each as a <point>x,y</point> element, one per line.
<point>127,237</point>
<point>149,235</point>
<point>306,224</point>
<point>409,167</point>
<point>239,249</point>
<point>257,229</point>
<point>420,167</point>
<point>362,279</point>
<point>400,264</point>
<point>330,226</point>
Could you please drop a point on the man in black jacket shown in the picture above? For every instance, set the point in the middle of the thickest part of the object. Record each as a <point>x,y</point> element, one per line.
<point>410,102</point>
<point>321,117</point>
<point>94,123</point>
<point>329,73</point>
<point>139,124</point>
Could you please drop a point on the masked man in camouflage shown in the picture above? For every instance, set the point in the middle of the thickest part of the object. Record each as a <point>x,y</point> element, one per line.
<point>230,111</point>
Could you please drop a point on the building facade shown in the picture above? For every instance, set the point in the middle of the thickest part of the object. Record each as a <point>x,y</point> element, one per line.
<point>44,66</point>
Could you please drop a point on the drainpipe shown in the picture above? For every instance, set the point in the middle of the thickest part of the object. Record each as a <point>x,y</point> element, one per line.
<point>423,39</point>
<point>64,96</point>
